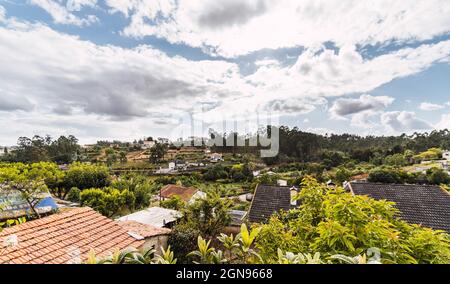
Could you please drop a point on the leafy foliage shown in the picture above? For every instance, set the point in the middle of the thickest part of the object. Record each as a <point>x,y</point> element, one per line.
<point>333,222</point>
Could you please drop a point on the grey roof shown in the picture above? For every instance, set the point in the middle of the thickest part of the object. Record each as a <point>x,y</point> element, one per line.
<point>155,216</point>
<point>268,200</point>
<point>418,204</point>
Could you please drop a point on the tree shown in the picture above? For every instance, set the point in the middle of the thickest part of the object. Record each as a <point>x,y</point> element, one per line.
<point>209,215</point>
<point>158,152</point>
<point>123,157</point>
<point>83,176</point>
<point>175,203</point>
<point>438,176</point>
<point>30,191</point>
<point>107,201</point>
<point>342,175</point>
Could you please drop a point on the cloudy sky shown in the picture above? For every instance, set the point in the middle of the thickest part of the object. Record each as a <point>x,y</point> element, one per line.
<point>125,69</point>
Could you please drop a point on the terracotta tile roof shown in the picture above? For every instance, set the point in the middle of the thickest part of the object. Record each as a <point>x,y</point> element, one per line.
<point>360,177</point>
<point>185,193</point>
<point>63,237</point>
<point>418,204</point>
<point>268,200</point>
<point>143,230</point>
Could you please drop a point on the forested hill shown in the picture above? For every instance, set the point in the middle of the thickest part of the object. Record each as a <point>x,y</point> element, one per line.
<point>297,145</point>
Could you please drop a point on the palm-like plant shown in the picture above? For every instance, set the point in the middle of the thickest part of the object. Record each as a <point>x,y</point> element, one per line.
<point>359,259</point>
<point>121,257</point>
<point>230,243</point>
<point>204,251</point>
<point>247,238</point>
<point>146,257</point>
<point>167,257</point>
<point>300,258</point>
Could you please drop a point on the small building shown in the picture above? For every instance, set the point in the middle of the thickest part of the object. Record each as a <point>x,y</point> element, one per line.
<point>446,155</point>
<point>427,205</point>
<point>282,182</point>
<point>155,216</point>
<point>268,200</point>
<point>187,194</point>
<point>153,237</point>
<point>64,238</point>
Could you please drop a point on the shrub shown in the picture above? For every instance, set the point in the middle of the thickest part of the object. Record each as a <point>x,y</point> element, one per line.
<point>175,203</point>
<point>74,195</point>
<point>107,201</point>
<point>183,240</point>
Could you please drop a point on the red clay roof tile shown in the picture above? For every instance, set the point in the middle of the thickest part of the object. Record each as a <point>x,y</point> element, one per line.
<point>60,237</point>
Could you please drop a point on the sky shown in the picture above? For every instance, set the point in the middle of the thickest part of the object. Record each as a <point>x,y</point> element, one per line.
<point>127,69</point>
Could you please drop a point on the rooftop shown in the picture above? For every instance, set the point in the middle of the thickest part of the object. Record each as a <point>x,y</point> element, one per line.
<point>185,193</point>
<point>145,231</point>
<point>268,200</point>
<point>65,238</point>
<point>418,204</point>
<point>154,216</point>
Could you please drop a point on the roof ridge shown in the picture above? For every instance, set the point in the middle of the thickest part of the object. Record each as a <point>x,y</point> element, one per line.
<point>395,184</point>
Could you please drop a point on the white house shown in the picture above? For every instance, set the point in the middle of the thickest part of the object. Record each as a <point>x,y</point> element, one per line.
<point>282,182</point>
<point>446,155</point>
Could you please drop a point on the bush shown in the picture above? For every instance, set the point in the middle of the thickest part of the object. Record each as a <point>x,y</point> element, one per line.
<point>74,195</point>
<point>174,203</point>
<point>183,240</point>
<point>107,201</point>
<point>385,175</point>
<point>85,176</point>
<point>438,176</point>
<point>342,175</point>
<point>334,222</point>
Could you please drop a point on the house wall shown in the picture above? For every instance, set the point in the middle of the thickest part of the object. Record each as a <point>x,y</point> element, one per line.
<point>156,242</point>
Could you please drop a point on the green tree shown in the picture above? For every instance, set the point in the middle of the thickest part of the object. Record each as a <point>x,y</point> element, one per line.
<point>209,215</point>
<point>158,152</point>
<point>107,201</point>
<point>175,203</point>
<point>438,176</point>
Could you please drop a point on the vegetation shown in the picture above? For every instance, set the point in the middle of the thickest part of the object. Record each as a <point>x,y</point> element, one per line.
<point>331,221</point>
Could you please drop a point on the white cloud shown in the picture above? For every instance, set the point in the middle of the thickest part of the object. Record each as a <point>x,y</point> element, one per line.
<point>2,14</point>
<point>403,121</point>
<point>62,14</point>
<point>233,27</point>
<point>430,107</point>
<point>322,72</point>
<point>444,123</point>
<point>77,5</point>
<point>105,84</point>
<point>344,107</point>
